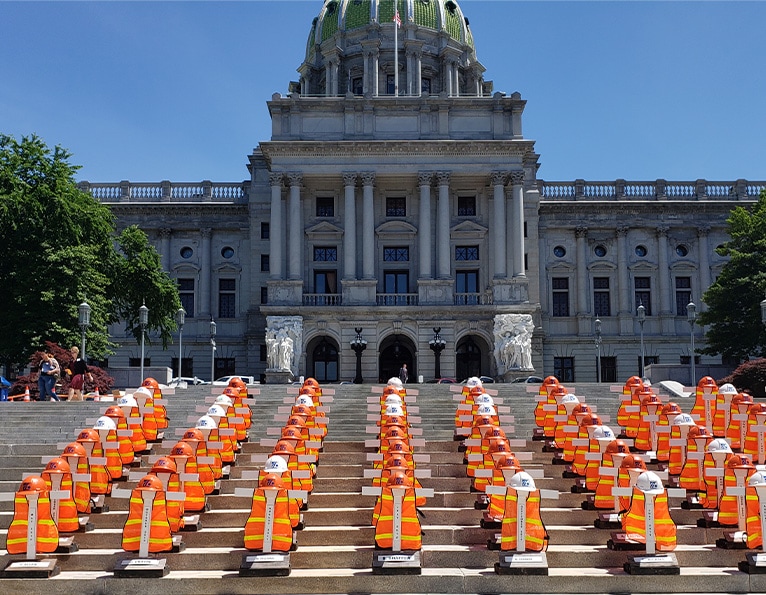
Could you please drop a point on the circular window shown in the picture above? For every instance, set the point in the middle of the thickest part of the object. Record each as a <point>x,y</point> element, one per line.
<point>682,250</point>
<point>641,251</point>
<point>600,251</point>
<point>560,251</point>
<point>227,251</point>
<point>187,252</point>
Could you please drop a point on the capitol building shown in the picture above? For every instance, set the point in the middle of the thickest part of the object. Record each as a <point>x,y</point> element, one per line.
<point>396,216</point>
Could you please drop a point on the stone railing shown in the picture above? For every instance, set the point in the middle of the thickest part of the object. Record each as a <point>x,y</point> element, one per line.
<point>656,190</point>
<point>166,191</point>
<point>397,299</point>
<point>474,299</point>
<point>322,299</point>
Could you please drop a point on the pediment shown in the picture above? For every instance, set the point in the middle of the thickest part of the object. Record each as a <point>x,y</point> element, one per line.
<point>324,229</point>
<point>468,229</point>
<point>396,228</point>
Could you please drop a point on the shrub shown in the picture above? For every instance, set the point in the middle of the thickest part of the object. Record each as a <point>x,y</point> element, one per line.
<point>750,377</point>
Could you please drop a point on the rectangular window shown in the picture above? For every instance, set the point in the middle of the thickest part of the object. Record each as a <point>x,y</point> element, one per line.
<point>396,207</point>
<point>264,263</point>
<point>265,231</point>
<point>643,294</point>
<point>186,293</point>
<point>135,362</point>
<point>466,253</point>
<point>227,298</point>
<point>563,369</point>
<point>560,296</point>
<point>357,86</point>
<point>225,366</point>
<point>325,254</point>
<point>187,363</point>
<point>325,206</point>
<point>683,294</point>
<point>466,287</point>
<point>425,85</point>
<point>608,369</point>
<point>395,285</point>
<point>601,305</point>
<point>390,84</point>
<point>264,295</point>
<point>466,206</point>
<point>262,354</point>
<point>325,282</point>
<point>400,254</point>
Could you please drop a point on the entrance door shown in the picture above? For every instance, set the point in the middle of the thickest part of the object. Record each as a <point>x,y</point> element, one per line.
<point>325,357</point>
<point>467,360</point>
<point>393,354</point>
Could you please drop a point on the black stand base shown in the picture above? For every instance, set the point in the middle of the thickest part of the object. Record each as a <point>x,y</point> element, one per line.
<point>389,562</point>
<point>265,564</point>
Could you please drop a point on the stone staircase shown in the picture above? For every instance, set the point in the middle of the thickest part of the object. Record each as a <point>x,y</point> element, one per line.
<point>334,553</point>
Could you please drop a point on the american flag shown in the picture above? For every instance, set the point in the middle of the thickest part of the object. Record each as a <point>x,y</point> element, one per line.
<point>397,19</point>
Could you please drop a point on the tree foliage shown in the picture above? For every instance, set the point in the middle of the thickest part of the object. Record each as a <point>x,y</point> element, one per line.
<point>733,316</point>
<point>750,377</point>
<point>58,246</point>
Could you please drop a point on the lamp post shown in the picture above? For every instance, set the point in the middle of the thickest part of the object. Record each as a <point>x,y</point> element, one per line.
<point>180,320</point>
<point>212,350</point>
<point>83,319</point>
<point>597,324</point>
<point>437,345</point>
<point>358,344</point>
<point>143,321</point>
<point>641,316</point>
<point>691,317</point>
<point>763,311</point>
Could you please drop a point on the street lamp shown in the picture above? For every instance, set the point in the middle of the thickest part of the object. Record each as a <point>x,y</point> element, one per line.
<point>641,315</point>
<point>763,311</point>
<point>597,324</point>
<point>437,345</point>
<point>180,320</point>
<point>212,350</point>
<point>358,345</point>
<point>143,321</point>
<point>691,317</point>
<point>83,319</point>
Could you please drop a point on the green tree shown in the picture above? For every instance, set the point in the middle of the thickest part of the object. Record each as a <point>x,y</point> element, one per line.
<point>733,316</point>
<point>58,246</point>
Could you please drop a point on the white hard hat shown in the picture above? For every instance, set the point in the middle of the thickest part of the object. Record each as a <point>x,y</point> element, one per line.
<point>394,381</point>
<point>304,400</point>
<point>393,400</point>
<point>394,410</point>
<point>719,445</point>
<point>225,399</point>
<point>275,463</point>
<point>486,410</point>
<point>206,422</point>
<point>757,479</point>
<point>143,391</point>
<point>484,399</point>
<point>105,423</point>
<point>684,419</point>
<point>127,401</point>
<point>523,482</point>
<point>603,433</point>
<point>649,483</point>
<point>727,389</point>
<point>216,411</point>
<point>473,381</point>
<point>569,398</point>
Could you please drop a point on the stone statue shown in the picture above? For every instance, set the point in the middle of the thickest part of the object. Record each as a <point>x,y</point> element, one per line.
<point>285,352</point>
<point>284,337</point>
<point>513,342</point>
<point>272,350</point>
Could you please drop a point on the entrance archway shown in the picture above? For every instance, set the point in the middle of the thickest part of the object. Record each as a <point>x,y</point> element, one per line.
<point>470,358</point>
<point>324,360</point>
<point>395,351</point>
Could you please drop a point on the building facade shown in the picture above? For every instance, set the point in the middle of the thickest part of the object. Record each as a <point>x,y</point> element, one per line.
<point>397,206</point>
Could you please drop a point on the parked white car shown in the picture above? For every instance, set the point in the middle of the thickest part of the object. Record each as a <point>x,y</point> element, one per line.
<point>224,381</point>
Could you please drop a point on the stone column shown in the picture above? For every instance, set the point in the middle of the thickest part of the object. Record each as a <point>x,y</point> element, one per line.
<point>424,225</point>
<point>205,273</point>
<point>375,77</point>
<point>663,271</point>
<point>455,79</point>
<point>276,231</point>
<point>295,245</point>
<point>442,226</point>
<point>368,225</point>
<point>704,250</point>
<point>448,72</point>
<point>623,283</point>
<point>349,226</point>
<point>418,73</point>
<point>165,233</point>
<point>498,227</point>
<point>581,307</point>
<point>517,190</point>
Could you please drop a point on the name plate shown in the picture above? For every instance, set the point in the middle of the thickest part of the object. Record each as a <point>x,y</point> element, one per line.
<point>525,559</point>
<point>658,560</point>
<point>760,559</point>
<point>143,564</point>
<point>397,558</point>
<point>260,558</point>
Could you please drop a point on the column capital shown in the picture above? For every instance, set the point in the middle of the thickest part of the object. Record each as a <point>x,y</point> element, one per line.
<point>499,178</point>
<point>662,231</point>
<point>517,178</point>
<point>581,231</point>
<point>165,232</point>
<point>368,178</point>
<point>425,178</point>
<point>443,177</point>
<point>703,230</point>
<point>276,178</point>
<point>349,178</point>
<point>206,232</point>
<point>295,178</point>
<point>622,231</point>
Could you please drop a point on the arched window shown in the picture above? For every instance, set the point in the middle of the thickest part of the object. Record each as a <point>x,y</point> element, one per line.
<point>468,359</point>
<point>325,356</point>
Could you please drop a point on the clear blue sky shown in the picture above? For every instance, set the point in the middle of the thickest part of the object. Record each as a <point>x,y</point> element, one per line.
<point>147,91</point>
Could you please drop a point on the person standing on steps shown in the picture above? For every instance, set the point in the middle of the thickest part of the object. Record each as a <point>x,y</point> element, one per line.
<point>79,370</point>
<point>403,374</point>
<point>46,381</point>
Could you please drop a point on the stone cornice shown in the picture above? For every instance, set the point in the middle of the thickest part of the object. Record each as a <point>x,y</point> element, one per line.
<point>159,209</point>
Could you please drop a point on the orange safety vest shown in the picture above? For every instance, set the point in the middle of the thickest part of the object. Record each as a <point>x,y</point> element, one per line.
<point>722,416</point>
<point>663,438</point>
<point>535,537</point>
<point>691,477</point>
<point>754,535</point>
<point>704,409</point>
<point>604,499</point>
<point>175,508</point>
<point>634,415</point>
<point>735,433</point>
<point>100,480</point>
<point>148,420</point>
<point>81,488</point>
<point>384,520</point>
<point>113,456</point>
<point>728,512</point>
<point>752,437</point>
<point>67,508</point>
<point>138,438</point>
<point>644,435</point>
<point>710,499</point>
<point>47,533</point>
<point>634,521</point>
<point>289,484</point>
<point>281,525</point>
<point>497,501</point>
<point>160,539</point>
<point>194,490</point>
